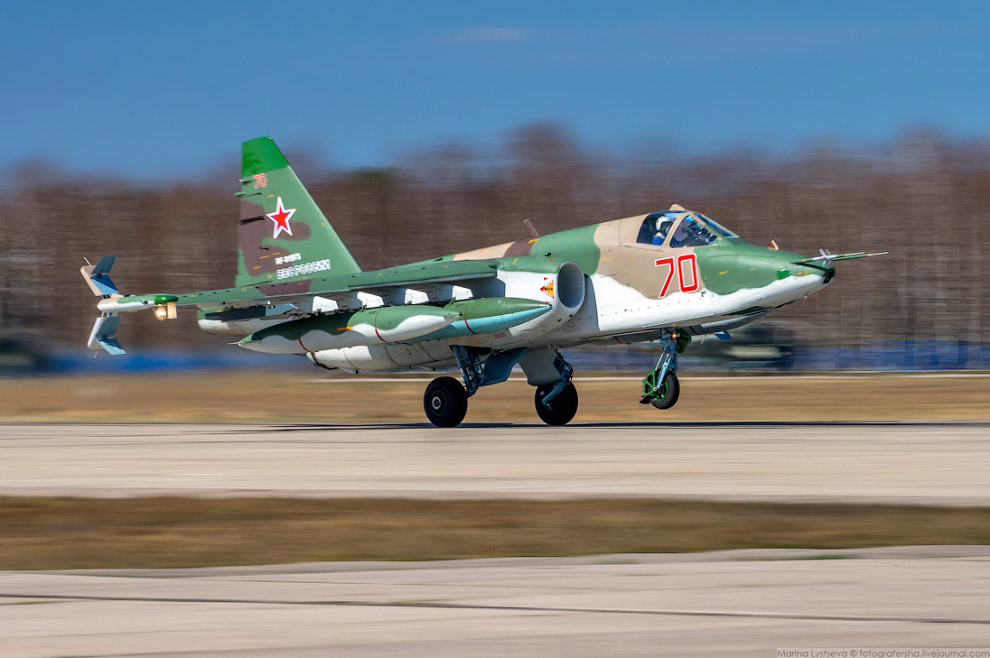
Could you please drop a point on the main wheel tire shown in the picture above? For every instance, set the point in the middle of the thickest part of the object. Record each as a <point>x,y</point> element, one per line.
<point>561,408</point>
<point>669,391</point>
<point>445,402</point>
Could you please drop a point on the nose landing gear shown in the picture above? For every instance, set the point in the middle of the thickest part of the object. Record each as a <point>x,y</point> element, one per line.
<point>663,395</point>
<point>661,387</point>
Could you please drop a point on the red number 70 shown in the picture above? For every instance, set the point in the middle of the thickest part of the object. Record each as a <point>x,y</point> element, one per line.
<point>681,272</point>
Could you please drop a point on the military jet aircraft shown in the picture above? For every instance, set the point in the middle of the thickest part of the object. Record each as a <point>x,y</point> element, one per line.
<point>661,276</point>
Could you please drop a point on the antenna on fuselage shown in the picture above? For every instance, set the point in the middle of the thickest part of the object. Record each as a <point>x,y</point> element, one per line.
<point>532,229</point>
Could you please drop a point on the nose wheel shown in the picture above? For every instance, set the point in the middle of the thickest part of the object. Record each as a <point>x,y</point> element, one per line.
<point>661,387</point>
<point>665,395</point>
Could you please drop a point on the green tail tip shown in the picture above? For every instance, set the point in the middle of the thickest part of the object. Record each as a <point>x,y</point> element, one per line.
<point>261,155</point>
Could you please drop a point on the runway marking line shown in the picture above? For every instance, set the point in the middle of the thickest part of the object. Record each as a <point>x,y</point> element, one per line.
<point>507,608</point>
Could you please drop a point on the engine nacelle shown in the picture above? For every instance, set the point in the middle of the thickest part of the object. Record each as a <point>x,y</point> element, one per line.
<point>564,289</point>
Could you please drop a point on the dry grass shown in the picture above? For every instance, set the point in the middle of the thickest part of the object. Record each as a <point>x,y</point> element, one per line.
<point>64,533</point>
<point>268,396</point>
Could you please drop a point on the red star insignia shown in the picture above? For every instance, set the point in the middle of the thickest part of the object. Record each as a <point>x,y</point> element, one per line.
<point>281,217</point>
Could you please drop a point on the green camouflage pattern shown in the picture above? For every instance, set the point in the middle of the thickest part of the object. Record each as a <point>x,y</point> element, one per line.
<point>304,244</point>
<point>289,255</point>
<point>611,249</point>
<point>728,265</point>
<point>289,265</point>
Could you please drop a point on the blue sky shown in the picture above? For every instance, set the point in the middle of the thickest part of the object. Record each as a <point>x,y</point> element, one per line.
<point>161,88</point>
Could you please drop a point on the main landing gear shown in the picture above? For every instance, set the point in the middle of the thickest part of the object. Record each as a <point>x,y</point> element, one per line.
<point>661,387</point>
<point>557,403</point>
<point>445,401</point>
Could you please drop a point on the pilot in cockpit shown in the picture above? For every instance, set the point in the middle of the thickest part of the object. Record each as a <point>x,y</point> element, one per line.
<point>663,226</point>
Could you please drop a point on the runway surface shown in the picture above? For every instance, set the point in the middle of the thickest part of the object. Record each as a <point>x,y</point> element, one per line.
<point>738,603</point>
<point>932,463</point>
<point>734,603</point>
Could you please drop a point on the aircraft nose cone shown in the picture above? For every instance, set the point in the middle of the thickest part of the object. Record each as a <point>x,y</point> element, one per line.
<point>791,269</point>
<point>821,273</point>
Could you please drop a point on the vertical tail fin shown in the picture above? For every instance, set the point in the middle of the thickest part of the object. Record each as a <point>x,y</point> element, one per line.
<point>283,235</point>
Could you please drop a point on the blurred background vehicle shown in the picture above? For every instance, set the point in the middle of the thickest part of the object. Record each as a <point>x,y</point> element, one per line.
<point>20,354</point>
<point>762,345</point>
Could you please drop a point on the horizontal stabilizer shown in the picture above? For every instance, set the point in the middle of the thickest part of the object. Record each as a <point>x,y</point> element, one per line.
<point>103,267</point>
<point>97,276</point>
<point>112,346</point>
<point>102,335</point>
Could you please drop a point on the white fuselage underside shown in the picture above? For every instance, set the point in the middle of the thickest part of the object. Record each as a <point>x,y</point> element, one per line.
<point>610,309</point>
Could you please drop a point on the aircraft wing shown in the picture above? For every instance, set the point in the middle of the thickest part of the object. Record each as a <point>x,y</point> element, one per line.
<point>419,283</point>
<point>397,281</point>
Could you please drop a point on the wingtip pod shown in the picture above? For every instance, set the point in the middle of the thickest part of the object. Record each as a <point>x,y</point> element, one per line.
<point>98,279</point>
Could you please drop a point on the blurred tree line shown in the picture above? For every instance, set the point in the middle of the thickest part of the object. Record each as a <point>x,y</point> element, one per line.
<point>924,198</point>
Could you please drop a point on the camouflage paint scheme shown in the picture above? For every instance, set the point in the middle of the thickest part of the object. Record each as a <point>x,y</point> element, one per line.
<point>595,283</point>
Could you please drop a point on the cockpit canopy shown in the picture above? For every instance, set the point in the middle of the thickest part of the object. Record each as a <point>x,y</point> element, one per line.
<point>681,228</point>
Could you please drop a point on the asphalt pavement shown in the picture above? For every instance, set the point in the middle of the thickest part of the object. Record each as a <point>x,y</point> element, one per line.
<point>733,603</point>
<point>931,463</point>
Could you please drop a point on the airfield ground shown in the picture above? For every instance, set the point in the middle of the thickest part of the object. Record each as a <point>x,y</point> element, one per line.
<point>264,396</point>
<point>86,533</point>
<point>279,468</point>
<point>738,603</point>
<point>170,494</point>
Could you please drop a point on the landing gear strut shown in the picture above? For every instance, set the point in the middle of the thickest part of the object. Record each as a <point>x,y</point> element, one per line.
<point>445,401</point>
<point>557,403</point>
<point>661,387</point>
